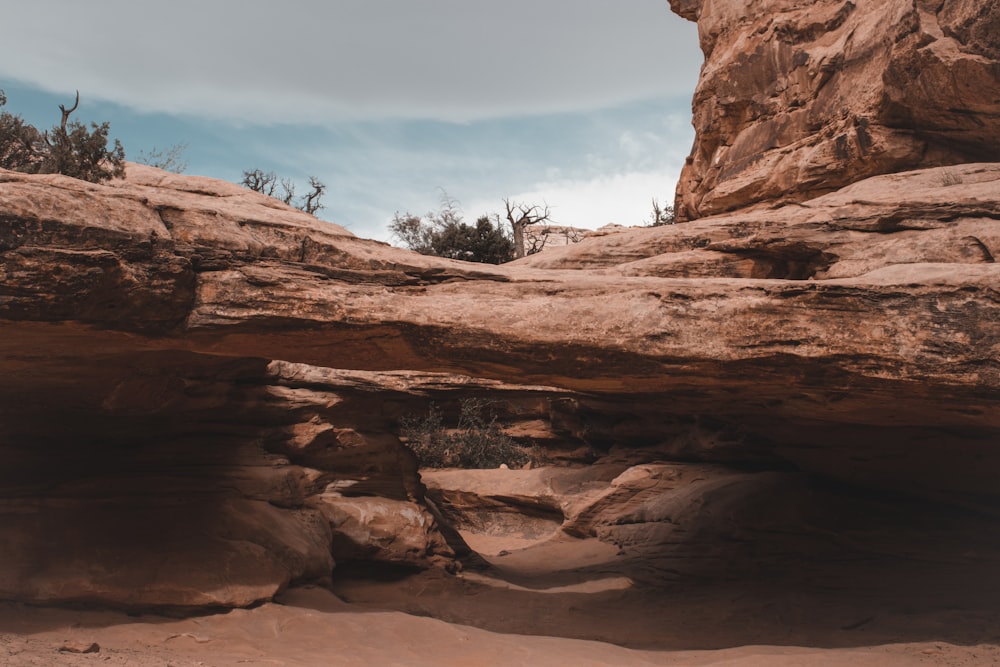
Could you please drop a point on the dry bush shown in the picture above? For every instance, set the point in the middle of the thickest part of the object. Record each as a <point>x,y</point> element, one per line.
<point>477,441</point>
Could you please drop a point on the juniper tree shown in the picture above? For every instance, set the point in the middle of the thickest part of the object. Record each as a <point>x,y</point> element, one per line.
<point>69,148</point>
<point>444,233</point>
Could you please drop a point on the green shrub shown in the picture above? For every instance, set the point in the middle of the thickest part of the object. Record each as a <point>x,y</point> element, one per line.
<point>81,153</point>
<point>18,141</point>
<point>68,148</point>
<point>476,442</point>
<point>445,234</point>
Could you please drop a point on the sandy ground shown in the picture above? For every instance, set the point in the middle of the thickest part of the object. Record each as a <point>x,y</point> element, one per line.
<point>533,592</point>
<point>314,628</point>
<point>532,606</point>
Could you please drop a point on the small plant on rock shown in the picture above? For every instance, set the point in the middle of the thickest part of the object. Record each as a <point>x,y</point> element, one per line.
<point>949,178</point>
<point>477,441</point>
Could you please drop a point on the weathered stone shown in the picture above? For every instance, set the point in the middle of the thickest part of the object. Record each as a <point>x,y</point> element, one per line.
<point>203,406</point>
<point>383,530</point>
<point>799,99</point>
<point>80,647</point>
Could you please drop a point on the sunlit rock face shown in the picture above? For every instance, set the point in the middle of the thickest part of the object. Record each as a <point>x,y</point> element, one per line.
<point>796,99</point>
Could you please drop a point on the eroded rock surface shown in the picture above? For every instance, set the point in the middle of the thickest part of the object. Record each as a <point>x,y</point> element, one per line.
<point>706,556</point>
<point>798,99</point>
<point>201,387</point>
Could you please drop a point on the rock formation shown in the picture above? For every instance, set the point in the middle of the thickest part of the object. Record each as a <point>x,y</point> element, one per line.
<point>200,387</point>
<point>798,99</point>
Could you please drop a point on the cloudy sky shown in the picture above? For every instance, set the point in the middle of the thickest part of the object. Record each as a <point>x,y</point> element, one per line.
<point>580,104</point>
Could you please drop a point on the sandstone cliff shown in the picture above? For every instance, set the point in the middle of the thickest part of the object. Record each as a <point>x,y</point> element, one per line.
<point>201,386</point>
<point>797,99</point>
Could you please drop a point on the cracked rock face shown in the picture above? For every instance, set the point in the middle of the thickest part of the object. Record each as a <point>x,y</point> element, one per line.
<point>798,99</point>
<point>201,387</point>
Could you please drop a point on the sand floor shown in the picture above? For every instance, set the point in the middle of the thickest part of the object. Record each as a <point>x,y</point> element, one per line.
<point>314,628</point>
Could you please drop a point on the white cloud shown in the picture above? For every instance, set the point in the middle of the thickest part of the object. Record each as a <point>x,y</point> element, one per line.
<point>302,61</point>
<point>591,169</point>
<point>623,199</point>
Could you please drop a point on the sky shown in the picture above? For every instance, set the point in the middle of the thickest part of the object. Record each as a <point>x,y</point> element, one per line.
<point>583,105</point>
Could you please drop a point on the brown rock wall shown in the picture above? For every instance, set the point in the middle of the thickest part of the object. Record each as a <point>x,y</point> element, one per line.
<point>207,414</point>
<point>795,99</point>
<point>139,475</point>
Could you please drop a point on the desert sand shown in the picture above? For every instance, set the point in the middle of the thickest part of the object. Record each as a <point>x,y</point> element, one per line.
<point>534,595</point>
<point>312,627</point>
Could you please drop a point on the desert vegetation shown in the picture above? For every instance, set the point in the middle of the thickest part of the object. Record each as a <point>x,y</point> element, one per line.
<point>72,149</point>
<point>520,216</point>
<point>69,148</point>
<point>661,215</point>
<point>272,185</point>
<point>168,159</point>
<point>491,240</point>
<point>477,440</point>
<point>444,233</point>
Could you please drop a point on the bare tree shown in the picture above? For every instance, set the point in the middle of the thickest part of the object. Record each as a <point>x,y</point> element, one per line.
<point>572,235</point>
<point>535,242</point>
<point>662,215</point>
<point>536,239</point>
<point>66,112</point>
<point>61,131</point>
<point>170,159</point>
<point>268,183</point>
<point>258,181</point>
<point>520,216</point>
<point>310,201</point>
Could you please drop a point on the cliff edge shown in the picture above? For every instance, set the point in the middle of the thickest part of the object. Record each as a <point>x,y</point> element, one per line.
<point>799,99</point>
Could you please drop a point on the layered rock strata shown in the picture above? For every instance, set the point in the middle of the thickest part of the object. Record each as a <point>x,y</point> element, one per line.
<point>799,99</point>
<point>202,387</point>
